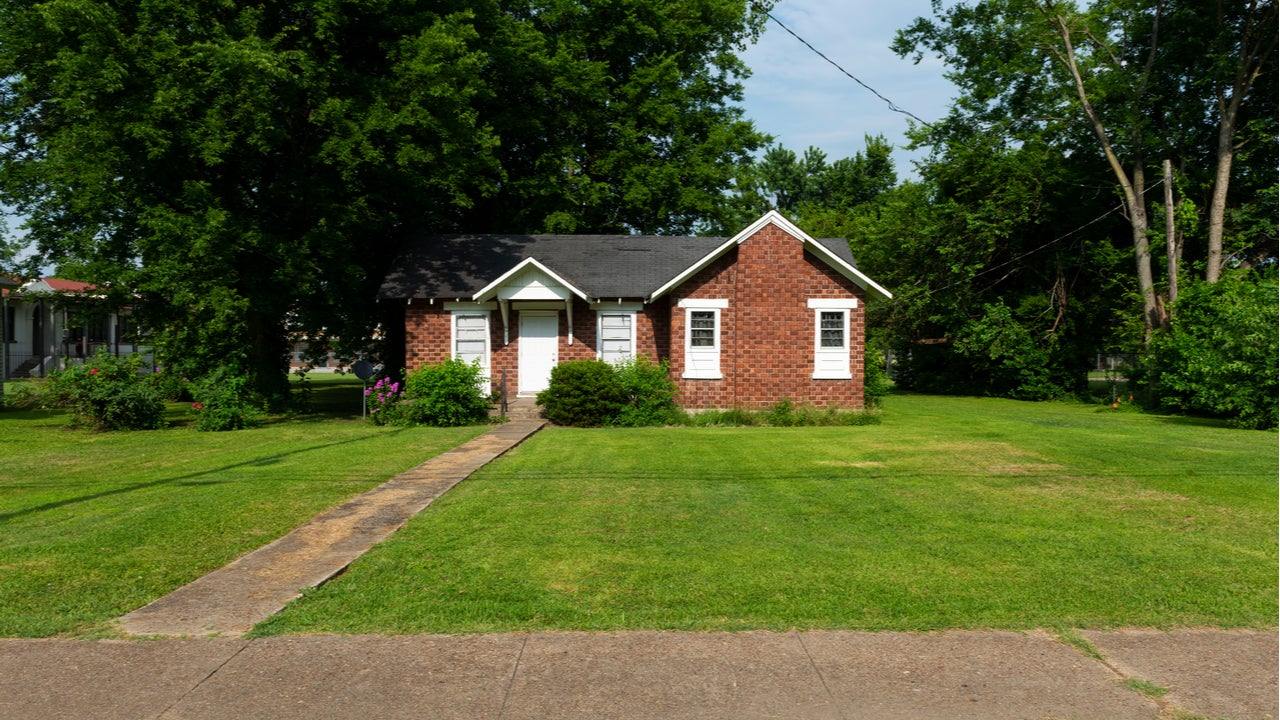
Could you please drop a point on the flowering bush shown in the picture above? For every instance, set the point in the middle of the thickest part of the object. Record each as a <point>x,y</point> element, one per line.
<point>106,393</point>
<point>383,401</point>
<point>444,395</point>
<point>223,401</point>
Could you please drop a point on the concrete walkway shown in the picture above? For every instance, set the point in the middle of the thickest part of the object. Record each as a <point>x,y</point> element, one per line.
<point>646,675</point>
<point>231,600</point>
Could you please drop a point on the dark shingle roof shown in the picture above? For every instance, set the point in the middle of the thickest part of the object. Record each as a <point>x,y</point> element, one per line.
<point>601,266</point>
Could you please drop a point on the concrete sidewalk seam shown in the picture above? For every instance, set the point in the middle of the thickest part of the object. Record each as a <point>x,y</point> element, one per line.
<point>813,664</point>
<point>203,680</point>
<point>511,682</point>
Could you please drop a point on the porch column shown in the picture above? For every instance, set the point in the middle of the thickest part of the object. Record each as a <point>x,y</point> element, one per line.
<point>568,311</point>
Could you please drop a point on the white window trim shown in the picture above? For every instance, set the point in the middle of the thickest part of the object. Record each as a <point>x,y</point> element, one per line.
<point>708,357</point>
<point>472,311</point>
<point>826,358</point>
<point>631,309</point>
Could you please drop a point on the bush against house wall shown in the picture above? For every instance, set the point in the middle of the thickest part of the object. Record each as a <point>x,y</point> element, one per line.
<point>448,394</point>
<point>582,393</point>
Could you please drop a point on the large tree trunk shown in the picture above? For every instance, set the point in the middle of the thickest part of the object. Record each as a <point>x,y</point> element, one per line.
<point>1132,184</point>
<point>1172,243</point>
<point>1218,204</point>
<point>1152,313</point>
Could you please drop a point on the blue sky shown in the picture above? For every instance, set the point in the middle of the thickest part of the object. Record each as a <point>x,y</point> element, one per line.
<point>802,100</point>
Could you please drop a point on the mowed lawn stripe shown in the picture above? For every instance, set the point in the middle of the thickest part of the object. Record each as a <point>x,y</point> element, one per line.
<point>953,513</point>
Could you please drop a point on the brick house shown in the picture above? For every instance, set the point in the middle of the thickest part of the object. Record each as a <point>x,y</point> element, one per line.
<point>770,313</point>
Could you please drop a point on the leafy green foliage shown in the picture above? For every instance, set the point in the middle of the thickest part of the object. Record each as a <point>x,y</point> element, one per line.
<point>223,400</point>
<point>650,393</point>
<point>583,393</point>
<point>1218,357</point>
<point>1010,362</point>
<point>239,172</point>
<point>444,395</point>
<point>106,393</point>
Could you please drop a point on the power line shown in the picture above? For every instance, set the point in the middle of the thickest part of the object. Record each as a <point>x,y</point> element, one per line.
<point>1054,241</point>
<point>892,106</point>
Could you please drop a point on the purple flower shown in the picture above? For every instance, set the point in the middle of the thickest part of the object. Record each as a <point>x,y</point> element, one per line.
<point>367,392</point>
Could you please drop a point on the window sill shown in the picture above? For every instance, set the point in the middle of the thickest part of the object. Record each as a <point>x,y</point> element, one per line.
<point>703,375</point>
<point>832,376</point>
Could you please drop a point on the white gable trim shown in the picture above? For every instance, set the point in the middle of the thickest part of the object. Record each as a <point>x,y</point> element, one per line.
<point>775,218</point>
<point>495,288</point>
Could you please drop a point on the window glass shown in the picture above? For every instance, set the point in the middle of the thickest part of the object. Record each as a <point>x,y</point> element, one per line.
<point>832,325</point>
<point>615,336</point>
<point>472,334</point>
<point>702,328</point>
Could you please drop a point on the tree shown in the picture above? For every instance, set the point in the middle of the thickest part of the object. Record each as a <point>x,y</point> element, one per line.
<point>808,188</point>
<point>1117,70</point>
<point>242,172</point>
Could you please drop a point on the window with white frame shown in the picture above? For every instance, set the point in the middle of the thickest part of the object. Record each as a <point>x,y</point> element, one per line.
<point>831,338</point>
<point>616,335</point>
<point>702,337</point>
<point>471,337</point>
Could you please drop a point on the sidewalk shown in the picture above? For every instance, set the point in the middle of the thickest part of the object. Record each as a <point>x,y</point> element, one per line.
<point>645,675</point>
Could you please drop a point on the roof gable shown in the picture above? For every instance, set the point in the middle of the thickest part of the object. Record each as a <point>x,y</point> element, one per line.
<point>530,280</point>
<point>821,250</point>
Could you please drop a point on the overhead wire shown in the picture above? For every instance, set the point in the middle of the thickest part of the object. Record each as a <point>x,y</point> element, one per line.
<point>894,107</point>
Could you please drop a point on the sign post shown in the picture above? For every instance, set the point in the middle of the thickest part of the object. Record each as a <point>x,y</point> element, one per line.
<point>364,371</point>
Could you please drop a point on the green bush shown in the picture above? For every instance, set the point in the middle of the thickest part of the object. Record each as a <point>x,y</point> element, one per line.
<point>1218,357</point>
<point>170,385</point>
<point>223,401</point>
<point>583,393</point>
<point>650,394</point>
<point>876,383</point>
<point>784,414</point>
<point>106,393</point>
<point>446,395</point>
<point>1007,359</point>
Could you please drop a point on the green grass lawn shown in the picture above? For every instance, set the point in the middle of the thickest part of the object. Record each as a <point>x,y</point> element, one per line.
<point>93,525</point>
<point>953,513</point>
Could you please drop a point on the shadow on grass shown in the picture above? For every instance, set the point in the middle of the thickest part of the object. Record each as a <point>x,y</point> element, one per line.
<point>256,462</point>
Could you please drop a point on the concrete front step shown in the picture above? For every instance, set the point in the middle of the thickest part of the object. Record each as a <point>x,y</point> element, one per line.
<point>521,409</point>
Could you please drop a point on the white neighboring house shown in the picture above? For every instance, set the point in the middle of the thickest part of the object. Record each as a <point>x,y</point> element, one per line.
<point>51,323</point>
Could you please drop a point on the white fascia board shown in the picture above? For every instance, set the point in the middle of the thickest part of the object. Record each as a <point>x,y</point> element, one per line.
<point>491,290</point>
<point>770,217</point>
<point>846,269</point>
<point>691,270</point>
<point>842,267</point>
<point>617,306</point>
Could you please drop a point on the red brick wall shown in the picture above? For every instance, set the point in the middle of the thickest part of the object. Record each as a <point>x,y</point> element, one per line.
<point>767,331</point>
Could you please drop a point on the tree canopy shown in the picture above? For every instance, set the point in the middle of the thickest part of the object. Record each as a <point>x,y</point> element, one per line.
<point>241,171</point>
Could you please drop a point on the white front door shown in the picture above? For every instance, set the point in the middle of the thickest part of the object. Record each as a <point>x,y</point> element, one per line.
<point>539,349</point>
